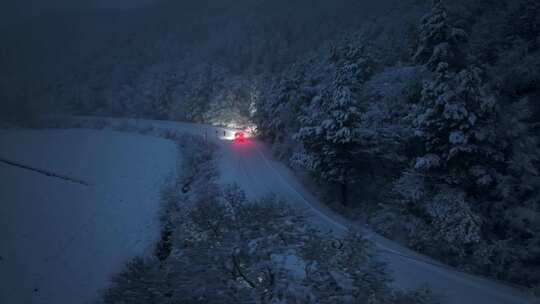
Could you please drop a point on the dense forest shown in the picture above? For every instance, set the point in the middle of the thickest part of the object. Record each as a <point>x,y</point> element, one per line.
<point>434,128</point>
<point>173,59</point>
<point>419,117</point>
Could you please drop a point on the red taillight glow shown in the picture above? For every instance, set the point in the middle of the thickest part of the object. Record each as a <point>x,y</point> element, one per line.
<point>239,135</point>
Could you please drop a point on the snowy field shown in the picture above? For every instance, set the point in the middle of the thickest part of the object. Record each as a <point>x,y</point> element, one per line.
<point>60,240</point>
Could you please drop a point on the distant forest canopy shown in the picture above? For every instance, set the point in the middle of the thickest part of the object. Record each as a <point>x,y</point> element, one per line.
<point>177,59</point>
<point>154,61</point>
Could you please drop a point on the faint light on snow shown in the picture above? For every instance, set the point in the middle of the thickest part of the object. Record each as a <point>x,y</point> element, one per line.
<point>237,135</point>
<point>291,262</point>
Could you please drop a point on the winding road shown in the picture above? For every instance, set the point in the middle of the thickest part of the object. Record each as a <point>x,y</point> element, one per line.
<point>250,165</point>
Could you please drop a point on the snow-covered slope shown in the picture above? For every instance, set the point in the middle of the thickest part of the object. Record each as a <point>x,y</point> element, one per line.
<point>61,241</point>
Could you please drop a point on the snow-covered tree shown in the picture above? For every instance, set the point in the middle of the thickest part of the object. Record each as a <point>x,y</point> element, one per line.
<point>329,137</point>
<point>353,62</point>
<point>522,178</point>
<point>344,271</point>
<point>230,104</point>
<point>437,218</point>
<point>205,82</point>
<point>438,39</point>
<point>390,98</point>
<point>457,124</point>
<point>142,281</point>
<point>160,94</point>
<point>289,93</point>
<point>454,223</point>
<point>330,130</point>
<point>527,23</point>
<point>230,250</point>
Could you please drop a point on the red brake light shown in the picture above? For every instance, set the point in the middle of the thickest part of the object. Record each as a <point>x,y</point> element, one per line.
<point>239,135</point>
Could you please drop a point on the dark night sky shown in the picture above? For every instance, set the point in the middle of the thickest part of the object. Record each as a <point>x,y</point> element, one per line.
<point>21,8</point>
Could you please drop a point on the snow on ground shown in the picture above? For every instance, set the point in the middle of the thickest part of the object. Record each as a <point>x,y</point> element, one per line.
<point>61,241</point>
<point>251,165</point>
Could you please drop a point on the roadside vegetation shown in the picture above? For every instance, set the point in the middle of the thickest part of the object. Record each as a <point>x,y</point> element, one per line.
<point>219,247</point>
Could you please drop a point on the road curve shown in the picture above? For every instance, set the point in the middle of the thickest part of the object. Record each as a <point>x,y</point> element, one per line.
<point>252,167</point>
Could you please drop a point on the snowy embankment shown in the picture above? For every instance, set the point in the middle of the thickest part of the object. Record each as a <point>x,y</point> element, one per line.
<point>61,240</point>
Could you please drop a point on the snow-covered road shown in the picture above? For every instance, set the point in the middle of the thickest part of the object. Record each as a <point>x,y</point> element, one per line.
<point>251,166</point>
<point>60,241</point>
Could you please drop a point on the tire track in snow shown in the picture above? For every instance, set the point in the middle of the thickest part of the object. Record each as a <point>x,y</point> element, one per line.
<point>43,172</point>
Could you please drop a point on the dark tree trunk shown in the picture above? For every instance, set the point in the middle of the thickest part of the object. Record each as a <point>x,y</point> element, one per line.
<point>344,192</point>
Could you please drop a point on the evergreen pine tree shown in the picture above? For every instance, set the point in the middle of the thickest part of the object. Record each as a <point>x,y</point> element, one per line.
<point>438,40</point>
<point>330,126</point>
<point>457,125</point>
<point>528,22</point>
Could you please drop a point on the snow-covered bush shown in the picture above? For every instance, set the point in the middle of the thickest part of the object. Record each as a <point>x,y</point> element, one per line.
<point>411,187</point>
<point>452,219</point>
<point>142,281</point>
<point>259,252</point>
